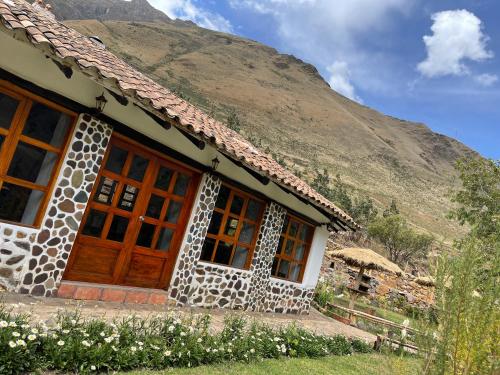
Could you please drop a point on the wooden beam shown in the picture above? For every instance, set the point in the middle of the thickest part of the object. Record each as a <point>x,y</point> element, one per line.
<point>119,98</point>
<point>163,123</point>
<point>262,179</point>
<point>197,142</point>
<point>67,70</point>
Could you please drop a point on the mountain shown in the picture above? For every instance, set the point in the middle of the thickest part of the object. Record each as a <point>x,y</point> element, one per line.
<point>106,10</point>
<point>284,105</point>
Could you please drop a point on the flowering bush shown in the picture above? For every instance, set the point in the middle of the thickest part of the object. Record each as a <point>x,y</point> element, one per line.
<point>74,344</point>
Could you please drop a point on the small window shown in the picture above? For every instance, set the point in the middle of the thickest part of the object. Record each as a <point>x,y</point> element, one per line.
<point>232,231</point>
<point>293,249</point>
<point>33,135</point>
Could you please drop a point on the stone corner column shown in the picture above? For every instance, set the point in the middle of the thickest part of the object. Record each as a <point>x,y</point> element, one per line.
<point>52,244</point>
<point>190,250</point>
<point>265,248</point>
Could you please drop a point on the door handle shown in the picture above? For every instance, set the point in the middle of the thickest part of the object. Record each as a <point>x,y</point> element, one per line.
<point>141,218</point>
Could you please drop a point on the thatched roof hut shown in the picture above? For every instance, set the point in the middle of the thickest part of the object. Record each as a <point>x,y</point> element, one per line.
<point>366,259</point>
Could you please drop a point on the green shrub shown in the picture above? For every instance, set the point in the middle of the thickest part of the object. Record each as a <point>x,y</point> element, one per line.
<point>361,346</point>
<point>77,345</point>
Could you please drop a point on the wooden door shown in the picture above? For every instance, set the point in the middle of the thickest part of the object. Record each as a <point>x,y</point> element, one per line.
<point>135,219</point>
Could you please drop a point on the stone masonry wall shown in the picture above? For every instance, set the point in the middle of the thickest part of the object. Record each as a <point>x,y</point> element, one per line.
<point>190,253</point>
<point>32,261</point>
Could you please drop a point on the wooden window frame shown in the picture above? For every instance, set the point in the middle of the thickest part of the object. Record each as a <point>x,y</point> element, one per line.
<point>14,135</point>
<point>284,238</point>
<point>226,214</point>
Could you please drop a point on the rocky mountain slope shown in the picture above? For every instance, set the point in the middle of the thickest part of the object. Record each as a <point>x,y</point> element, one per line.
<point>284,105</point>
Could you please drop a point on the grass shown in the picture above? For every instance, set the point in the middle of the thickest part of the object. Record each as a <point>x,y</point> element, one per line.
<point>366,364</point>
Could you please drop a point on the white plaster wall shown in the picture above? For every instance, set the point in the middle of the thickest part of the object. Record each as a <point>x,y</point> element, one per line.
<point>31,64</point>
<point>318,246</point>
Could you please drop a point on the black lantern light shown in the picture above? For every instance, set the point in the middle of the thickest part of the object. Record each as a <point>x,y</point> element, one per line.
<point>215,163</point>
<point>100,103</point>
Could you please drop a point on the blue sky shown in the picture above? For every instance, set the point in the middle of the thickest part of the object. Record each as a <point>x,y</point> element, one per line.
<point>430,61</point>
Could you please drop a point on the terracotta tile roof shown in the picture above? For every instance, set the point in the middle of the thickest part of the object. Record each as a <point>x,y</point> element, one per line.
<point>74,49</point>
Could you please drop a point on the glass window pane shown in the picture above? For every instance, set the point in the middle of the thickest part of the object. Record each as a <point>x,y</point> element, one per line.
<point>94,224</point>
<point>294,227</point>
<point>181,184</point>
<point>105,190</point>
<point>8,107</point>
<point>154,207</point>
<point>223,252</point>
<point>246,233</point>
<point>163,179</point>
<point>118,228</point>
<point>283,268</point>
<point>138,168</point>
<point>304,232</point>
<point>253,210</point>
<point>223,197</point>
<point>173,211</point>
<point>240,257</point>
<point>275,266</point>
<point>295,272</point>
<point>237,204</point>
<point>208,249</point>
<point>280,246</point>
<point>145,238</point>
<point>231,226</point>
<point>299,252</point>
<point>164,240</point>
<point>47,125</point>
<point>32,164</point>
<point>285,225</point>
<point>116,160</point>
<point>215,223</point>
<point>289,247</point>
<point>128,197</point>
<point>19,204</point>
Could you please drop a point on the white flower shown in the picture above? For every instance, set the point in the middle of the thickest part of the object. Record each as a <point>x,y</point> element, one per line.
<point>102,334</point>
<point>277,339</point>
<point>60,343</point>
<point>65,331</point>
<point>20,343</point>
<point>171,328</point>
<point>252,350</point>
<point>73,321</point>
<point>34,330</point>
<point>12,324</point>
<point>25,326</point>
<point>207,350</point>
<point>3,324</point>
<point>167,353</point>
<point>16,334</point>
<point>109,339</point>
<point>199,340</point>
<point>31,337</point>
<point>93,368</point>
<point>86,343</point>
<point>114,348</point>
<point>85,334</point>
<point>406,323</point>
<point>12,344</point>
<point>140,343</point>
<point>133,349</point>
<point>183,333</point>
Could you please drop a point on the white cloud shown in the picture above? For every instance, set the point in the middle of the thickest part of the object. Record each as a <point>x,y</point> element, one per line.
<point>323,31</point>
<point>456,36</point>
<point>486,79</point>
<point>188,10</point>
<point>340,80</point>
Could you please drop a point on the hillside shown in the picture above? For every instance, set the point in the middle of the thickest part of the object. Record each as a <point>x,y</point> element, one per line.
<point>284,105</point>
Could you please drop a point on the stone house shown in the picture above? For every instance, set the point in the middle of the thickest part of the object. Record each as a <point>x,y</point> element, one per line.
<point>113,188</point>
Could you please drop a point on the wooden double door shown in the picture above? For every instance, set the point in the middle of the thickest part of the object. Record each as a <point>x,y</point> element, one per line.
<point>135,219</point>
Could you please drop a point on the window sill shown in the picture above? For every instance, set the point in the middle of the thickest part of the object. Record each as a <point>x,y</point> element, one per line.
<point>31,228</point>
<point>285,281</point>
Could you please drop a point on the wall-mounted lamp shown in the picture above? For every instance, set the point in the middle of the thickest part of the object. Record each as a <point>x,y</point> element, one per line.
<point>215,163</point>
<point>100,103</point>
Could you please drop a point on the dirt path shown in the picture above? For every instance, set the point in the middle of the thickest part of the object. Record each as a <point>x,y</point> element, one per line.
<point>46,309</point>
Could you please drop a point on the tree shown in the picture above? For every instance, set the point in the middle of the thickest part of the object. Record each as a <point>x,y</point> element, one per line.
<point>233,121</point>
<point>479,197</point>
<point>391,210</point>
<point>403,244</point>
